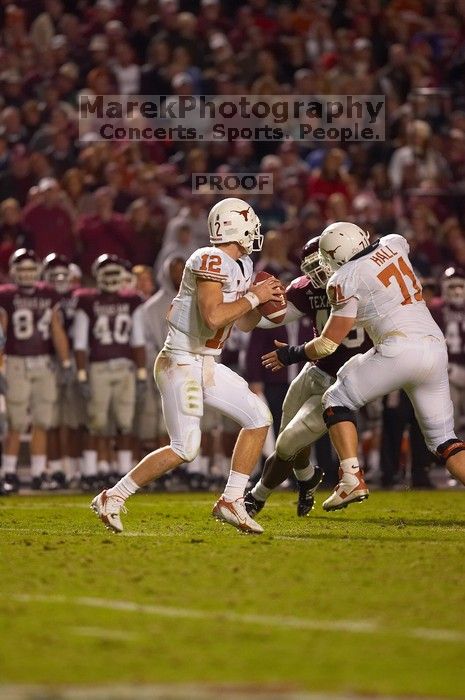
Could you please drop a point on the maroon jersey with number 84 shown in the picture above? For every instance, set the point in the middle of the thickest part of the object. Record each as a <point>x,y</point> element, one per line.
<point>29,313</point>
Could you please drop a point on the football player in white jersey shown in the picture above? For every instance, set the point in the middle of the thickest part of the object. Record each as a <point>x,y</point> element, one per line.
<point>216,291</point>
<point>374,286</point>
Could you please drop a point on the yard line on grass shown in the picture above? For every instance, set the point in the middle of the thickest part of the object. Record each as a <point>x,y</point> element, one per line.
<point>437,635</point>
<point>182,691</point>
<point>90,531</point>
<point>167,535</point>
<point>192,614</point>
<point>283,622</point>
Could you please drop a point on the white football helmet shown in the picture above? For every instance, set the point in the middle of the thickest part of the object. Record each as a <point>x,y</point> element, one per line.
<point>339,242</point>
<point>234,221</point>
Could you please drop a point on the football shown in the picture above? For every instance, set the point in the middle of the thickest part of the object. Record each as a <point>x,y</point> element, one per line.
<point>274,311</point>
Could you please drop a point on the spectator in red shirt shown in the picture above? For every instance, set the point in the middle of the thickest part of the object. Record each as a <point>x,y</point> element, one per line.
<point>18,180</point>
<point>48,223</point>
<point>332,178</point>
<point>147,239</point>
<point>106,231</point>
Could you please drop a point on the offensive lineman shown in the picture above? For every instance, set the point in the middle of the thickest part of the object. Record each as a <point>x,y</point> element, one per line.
<point>215,293</point>
<point>374,286</point>
<point>302,421</point>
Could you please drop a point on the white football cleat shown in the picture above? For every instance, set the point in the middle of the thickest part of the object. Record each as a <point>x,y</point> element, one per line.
<point>108,509</point>
<point>350,489</point>
<point>235,514</point>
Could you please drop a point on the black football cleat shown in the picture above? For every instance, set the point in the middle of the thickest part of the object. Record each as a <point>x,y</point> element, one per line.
<point>252,504</point>
<point>58,481</point>
<point>37,482</point>
<point>10,484</point>
<point>306,493</point>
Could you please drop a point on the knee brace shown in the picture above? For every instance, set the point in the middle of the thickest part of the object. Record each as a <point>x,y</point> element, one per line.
<point>188,448</point>
<point>338,414</point>
<point>285,447</point>
<point>449,448</point>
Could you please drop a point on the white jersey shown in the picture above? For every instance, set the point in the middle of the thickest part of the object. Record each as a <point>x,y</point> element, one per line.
<point>187,330</point>
<point>382,291</point>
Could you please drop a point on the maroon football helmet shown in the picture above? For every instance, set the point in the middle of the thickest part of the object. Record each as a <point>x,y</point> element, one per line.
<point>56,271</point>
<point>453,286</point>
<point>311,263</point>
<point>24,267</point>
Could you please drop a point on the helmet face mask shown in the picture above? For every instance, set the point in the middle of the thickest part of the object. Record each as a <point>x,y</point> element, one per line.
<point>59,278</point>
<point>339,242</point>
<point>24,268</point>
<point>56,272</point>
<point>110,278</point>
<point>234,221</point>
<point>109,273</point>
<point>311,266</point>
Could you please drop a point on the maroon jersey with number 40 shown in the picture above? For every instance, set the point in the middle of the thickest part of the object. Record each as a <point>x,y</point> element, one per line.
<point>110,322</point>
<point>29,313</point>
<point>314,303</point>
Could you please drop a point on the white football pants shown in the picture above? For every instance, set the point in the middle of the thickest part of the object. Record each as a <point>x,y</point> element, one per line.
<point>420,370</point>
<point>302,422</point>
<point>189,382</point>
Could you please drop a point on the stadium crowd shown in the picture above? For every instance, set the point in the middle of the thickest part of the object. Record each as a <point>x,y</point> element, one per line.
<point>133,200</point>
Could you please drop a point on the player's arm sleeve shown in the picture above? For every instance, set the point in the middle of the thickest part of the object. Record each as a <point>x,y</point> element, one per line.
<point>137,332</point>
<point>80,330</point>
<point>209,266</point>
<point>292,314</point>
<point>349,309</point>
<point>343,295</point>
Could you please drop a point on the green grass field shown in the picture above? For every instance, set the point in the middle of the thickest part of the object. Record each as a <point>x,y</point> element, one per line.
<point>370,600</point>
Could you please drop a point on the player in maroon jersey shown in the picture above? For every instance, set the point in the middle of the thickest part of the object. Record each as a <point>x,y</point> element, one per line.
<point>31,322</point>
<point>65,438</point>
<point>302,421</point>
<point>110,359</point>
<point>449,314</point>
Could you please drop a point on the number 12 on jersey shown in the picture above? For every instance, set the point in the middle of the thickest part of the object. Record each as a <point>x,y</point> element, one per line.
<point>399,272</point>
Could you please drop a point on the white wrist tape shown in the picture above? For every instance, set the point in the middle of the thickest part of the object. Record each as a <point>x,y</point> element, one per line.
<point>81,375</point>
<point>141,374</point>
<point>252,298</point>
<point>324,346</point>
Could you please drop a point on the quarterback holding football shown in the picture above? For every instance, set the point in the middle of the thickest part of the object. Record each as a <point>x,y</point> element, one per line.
<point>216,292</point>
